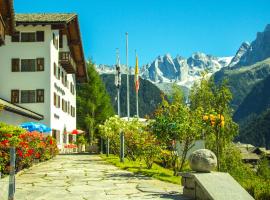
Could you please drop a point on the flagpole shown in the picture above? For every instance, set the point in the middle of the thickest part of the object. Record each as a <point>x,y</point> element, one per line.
<point>137,91</point>
<point>118,81</point>
<point>128,108</point>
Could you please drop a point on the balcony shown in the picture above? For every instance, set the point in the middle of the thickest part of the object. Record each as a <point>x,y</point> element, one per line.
<point>67,62</point>
<point>2,31</point>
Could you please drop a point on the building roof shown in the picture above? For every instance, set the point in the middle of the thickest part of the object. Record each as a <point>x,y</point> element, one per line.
<point>69,24</point>
<point>44,17</point>
<point>20,110</point>
<point>7,13</point>
<point>250,156</point>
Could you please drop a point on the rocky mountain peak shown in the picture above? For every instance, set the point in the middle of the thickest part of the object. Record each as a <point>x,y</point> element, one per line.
<point>258,50</point>
<point>240,52</point>
<point>267,28</point>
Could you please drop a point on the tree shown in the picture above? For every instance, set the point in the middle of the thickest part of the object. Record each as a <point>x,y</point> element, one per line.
<point>175,121</point>
<point>93,103</point>
<point>214,101</point>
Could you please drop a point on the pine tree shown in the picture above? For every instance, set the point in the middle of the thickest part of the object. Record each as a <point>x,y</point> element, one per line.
<point>93,103</point>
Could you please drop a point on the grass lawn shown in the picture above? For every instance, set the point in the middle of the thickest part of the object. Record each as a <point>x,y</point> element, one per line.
<point>157,171</point>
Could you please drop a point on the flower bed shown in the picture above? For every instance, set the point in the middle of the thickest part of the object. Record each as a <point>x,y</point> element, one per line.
<point>30,147</point>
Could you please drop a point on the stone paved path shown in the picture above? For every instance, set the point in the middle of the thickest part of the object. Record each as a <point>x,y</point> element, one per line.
<point>83,177</point>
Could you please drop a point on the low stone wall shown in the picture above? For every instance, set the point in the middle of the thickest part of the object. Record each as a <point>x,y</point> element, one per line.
<point>191,189</point>
<point>212,186</point>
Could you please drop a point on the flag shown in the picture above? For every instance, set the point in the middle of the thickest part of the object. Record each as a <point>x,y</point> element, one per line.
<point>136,77</point>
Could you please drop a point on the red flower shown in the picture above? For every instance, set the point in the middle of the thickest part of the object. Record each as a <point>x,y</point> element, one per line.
<point>51,142</point>
<point>37,155</point>
<point>30,152</point>
<point>20,153</point>
<point>4,143</point>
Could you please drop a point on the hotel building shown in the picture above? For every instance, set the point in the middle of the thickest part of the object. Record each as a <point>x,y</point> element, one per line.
<point>40,65</point>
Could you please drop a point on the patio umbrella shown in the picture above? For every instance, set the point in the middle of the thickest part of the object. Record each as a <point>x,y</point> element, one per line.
<point>75,132</point>
<point>35,126</point>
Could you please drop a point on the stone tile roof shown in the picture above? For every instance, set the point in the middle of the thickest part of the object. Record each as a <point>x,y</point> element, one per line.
<point>45,17</point>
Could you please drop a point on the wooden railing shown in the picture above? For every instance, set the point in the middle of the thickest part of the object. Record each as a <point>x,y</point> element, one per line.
<point>2,31</point>
<point>67,62</point>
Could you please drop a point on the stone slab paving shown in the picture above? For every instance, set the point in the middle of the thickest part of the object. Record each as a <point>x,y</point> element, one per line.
<point>83,177</point>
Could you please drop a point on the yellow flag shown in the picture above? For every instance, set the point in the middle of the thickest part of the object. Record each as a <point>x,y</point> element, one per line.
<point>136,77</point>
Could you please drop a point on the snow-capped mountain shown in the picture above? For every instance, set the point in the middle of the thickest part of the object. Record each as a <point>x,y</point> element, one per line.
<point>184,72</point>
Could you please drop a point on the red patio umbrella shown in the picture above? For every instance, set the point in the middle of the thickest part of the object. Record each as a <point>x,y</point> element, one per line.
<point>75,132</point>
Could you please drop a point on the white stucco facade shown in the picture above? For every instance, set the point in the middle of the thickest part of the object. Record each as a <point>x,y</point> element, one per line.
<point>54,117</point>
<point>13,118</point>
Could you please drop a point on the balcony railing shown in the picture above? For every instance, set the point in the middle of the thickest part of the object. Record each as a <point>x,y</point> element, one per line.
<point>67,62</point>
<point>2,31</point>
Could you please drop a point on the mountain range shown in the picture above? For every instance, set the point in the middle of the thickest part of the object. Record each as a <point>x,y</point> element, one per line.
<point>179,70</point>
<point>248,75</point>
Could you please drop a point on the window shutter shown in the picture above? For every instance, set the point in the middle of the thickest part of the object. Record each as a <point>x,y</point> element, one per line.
<point>61,39</point>
<point>15,64</point>
<point>40,64</point>
<point>40,36</point>
<point>40,95</point>
<point>54,100</point>
<point>15,96</point>
<point>15,37</point>
<point>54,69</point>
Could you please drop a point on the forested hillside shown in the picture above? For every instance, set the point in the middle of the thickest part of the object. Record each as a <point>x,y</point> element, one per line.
<point>149,95</point>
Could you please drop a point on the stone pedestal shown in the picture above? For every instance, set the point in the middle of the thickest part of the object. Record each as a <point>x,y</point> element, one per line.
<point>212,186</point>
<point>191,188</point>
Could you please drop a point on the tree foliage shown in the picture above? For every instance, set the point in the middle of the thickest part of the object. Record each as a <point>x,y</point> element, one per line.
<point>175,121</point>
<point>93,103</point>
<point>214,100</point>
<point>139,142</point>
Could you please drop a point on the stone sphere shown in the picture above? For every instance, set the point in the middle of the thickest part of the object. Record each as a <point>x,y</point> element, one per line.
<point>202,160</point>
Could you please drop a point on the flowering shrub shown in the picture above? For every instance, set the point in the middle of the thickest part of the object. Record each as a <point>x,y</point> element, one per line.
<point>70,146</point>
<point>30,147</point>
<point>139,142</point>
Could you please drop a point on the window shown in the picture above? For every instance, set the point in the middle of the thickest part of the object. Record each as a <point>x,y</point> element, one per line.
<point>68,108</point>
<point>63,77</point>
<point>28,37</point>
<point>72,88</point>
<point>28,96</point>
<point>15,37</point>
<point>54,69</point>
<point>59,102</point>
<point>15,96</point>
<point>63,103</point>
<point>40,36</point>
<point>40,64</point>
<point>65,80</point>
<point>72,109</point>
<point>61,39</point>
<point>28,65</point>
<point>65,138</point>
<point>56,135</point>
<point>58,74</point>
<point>55,99</point>
<point>15,64</point>
<point>55,41</point>
<point>40,95</point>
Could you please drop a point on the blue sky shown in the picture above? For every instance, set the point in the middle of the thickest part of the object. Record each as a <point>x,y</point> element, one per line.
<point>156,27</point>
